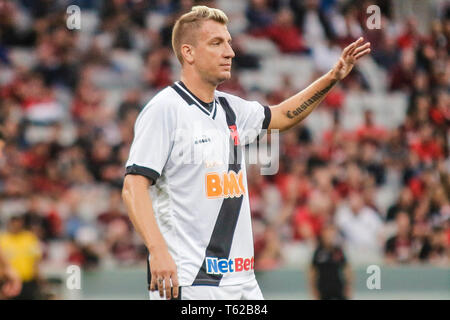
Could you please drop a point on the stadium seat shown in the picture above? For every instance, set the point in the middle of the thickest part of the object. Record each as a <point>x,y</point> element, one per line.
<point>259,46</point>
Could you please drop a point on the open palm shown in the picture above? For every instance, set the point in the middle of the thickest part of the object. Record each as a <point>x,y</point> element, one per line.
<point>349,56</point>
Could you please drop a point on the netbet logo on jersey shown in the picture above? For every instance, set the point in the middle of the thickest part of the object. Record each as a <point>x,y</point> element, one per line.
<point>215,265</point>
<point>225,185</point>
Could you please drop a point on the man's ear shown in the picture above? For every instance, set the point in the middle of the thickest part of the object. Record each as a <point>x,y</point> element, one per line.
<point>188,52</point>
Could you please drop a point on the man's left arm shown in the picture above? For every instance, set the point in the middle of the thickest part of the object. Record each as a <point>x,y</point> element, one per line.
<point>293,110</point>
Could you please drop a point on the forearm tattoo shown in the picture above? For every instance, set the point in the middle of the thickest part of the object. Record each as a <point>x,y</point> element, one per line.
<point>317,96</point>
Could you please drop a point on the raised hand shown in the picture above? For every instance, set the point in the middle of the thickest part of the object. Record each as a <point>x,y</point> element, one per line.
<point>349,56</point>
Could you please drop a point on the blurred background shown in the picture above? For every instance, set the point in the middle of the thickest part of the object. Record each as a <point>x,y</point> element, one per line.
<point>363,181</point>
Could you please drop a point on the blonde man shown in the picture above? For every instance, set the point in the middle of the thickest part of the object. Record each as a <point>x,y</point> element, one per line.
<point>193,213</point>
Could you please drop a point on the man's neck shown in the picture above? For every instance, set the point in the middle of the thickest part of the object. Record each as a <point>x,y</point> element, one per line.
<point>200,88</point>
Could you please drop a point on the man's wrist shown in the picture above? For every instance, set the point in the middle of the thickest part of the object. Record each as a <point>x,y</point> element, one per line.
<point>157,247</point>
<point>332,76</point>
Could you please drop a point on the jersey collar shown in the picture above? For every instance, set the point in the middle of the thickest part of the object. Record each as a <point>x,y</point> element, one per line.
<point>191,99</point>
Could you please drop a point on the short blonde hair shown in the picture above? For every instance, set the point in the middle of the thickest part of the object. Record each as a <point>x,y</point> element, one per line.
<point>187,25</point>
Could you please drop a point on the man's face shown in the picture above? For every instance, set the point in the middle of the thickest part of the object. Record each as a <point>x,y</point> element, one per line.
<point>329,236</point>
<point>212,52</point>
<point>15,225</point>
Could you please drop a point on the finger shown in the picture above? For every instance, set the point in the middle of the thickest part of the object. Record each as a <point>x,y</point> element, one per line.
<point>153,282</point>
<point>161,287</point>
<point>361,48</point>
<point>359,55</point>
<point>168,287</point>
<point>351,46</point>
<point>356,45</point>
<point>175,285</point>
<point>348,48</point>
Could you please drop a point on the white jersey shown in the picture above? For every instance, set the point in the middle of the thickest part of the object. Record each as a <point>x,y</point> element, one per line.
<point>192,153</point>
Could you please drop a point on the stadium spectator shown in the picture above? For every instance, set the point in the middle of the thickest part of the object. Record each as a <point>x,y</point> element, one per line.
<point>312,20</point>
<point>360,225</point>
<point>309,220</point>
<point>405,203</point>
<point>259,14</point>
<point>368,130</point>
<point>399,248</point>
<point>330,276</point>
<point>22,251</point>
<point>268,254</point>
<point>402,74</point>
<point>10,283</point>
<point>284,33</point>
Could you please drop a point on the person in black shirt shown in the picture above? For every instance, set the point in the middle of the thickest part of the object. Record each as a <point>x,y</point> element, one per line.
<point>399,247</point>
<point>329,274</point>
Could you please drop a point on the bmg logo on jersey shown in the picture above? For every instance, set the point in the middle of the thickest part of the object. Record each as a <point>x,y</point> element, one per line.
<point>226,185</point>
<point>215,265</point>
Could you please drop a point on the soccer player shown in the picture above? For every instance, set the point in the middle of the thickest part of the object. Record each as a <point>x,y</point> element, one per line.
<point>194,214</point>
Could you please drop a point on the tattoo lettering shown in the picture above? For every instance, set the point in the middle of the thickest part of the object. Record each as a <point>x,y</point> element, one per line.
<point>310,101</point>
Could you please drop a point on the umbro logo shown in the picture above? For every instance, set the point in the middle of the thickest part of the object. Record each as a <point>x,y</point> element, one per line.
<point>203,139</point>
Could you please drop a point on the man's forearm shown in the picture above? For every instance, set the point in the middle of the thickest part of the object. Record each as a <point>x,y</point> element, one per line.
<point>140,211</point>
<point>293,110</point>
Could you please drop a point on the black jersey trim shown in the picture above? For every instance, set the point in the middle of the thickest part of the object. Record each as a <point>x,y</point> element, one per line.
<point>266,123</point>
<point>151,174</point>
<point>188,99</point>
<point>223,233</point>
<point>192,99</point>
<point>206,105</point>
<point>267,117</point>
<point>214,109</point>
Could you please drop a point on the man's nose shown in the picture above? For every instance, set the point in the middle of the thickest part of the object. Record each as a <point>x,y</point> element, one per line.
<point>229,53</point>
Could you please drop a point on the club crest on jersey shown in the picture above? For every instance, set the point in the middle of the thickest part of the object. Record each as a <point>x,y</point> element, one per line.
<point>215,265</point>
<point>226,185</point>
<point>234,134</point>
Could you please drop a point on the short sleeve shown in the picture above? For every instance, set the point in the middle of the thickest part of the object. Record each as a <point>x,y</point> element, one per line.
<point>152,141</point>
<point>251,118</point>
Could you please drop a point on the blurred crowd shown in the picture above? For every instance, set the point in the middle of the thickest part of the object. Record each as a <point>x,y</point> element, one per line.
<point>67,140</point>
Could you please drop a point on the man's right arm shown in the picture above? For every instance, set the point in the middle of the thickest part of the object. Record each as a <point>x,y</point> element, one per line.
<point>139,205</point>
